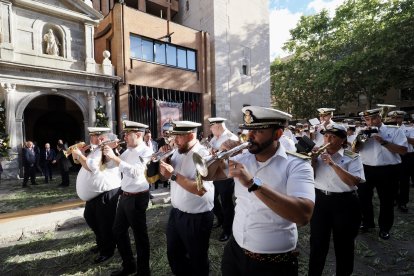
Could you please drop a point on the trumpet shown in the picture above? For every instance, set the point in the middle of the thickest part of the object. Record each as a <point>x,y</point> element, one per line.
<point>203,163</point>
<point>319,151</point>
<point>152,172</point>
<point>72,148</point>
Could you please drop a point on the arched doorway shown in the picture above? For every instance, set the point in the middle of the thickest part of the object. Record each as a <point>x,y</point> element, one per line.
<point>49,118</point>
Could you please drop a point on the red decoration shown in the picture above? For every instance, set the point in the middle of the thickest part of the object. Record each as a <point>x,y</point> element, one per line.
<point>150,100</point>
<point>142,102</point>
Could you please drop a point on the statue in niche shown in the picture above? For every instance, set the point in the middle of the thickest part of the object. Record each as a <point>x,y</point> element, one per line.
<point>52,43</point>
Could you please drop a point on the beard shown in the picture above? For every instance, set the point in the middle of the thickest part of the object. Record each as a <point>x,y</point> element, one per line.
<point>183,149</point>
<point>257,148</point>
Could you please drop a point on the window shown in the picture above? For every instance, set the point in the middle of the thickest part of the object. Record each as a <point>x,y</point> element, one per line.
<point>159,49</point>
<point>171,55</point>
<point>181,58</point>
<point>162,53</point>
<point>191,60</point>
<point>147,50</point>
<point>244,70</point>
<point>136,51</point>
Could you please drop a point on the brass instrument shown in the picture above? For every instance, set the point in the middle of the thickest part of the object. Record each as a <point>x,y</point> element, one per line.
<point>362,136</point>
<point>152,172</point>
<point>318,152</point>
<point>72,148</point>
<point>202,164</point>
<point>102,166</point>
<point>243,137</point>
<point>385,109</point>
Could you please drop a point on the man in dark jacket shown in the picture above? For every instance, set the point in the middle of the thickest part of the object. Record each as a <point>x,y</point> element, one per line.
<point>29,163</point>
<point>64,165</point>
<point>46,158</point>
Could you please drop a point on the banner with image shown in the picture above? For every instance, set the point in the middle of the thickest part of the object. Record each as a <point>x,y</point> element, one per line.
<point>168,112</point>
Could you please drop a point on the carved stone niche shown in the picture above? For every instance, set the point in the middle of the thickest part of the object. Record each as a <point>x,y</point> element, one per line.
<point>53,40</point>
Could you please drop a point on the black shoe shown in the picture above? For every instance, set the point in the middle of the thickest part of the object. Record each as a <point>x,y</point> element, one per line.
<point>224,237</point>
<point>384,235</point>
<point>63,185</point>
<point>124,271</point>
<point>24,186</point>
<point>101,259</point>
<point>34,183</point>
<point>403,208</point>
<point>217,225</point>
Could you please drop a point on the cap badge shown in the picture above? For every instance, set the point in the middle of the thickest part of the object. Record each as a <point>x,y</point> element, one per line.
<point>248,117</point>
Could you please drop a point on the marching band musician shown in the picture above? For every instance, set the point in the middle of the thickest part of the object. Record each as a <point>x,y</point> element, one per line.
<point>325,117</point>
<point>407,161</point>
<point>133,201</point>
<point>100,189</point>
<point>274,191</point>
<point>337,172</point>
<point>381,159</point>
<point>224,211</point>
<point>191,218</point>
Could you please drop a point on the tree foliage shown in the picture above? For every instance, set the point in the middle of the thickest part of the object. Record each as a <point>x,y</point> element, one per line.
<point>365,49</point>
<point>4,137</point>
<point>101,118</point>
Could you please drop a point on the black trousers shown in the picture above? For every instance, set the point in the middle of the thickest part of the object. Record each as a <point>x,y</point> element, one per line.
<point>47,170</point>
<point>236,263</point>
<point>65,177</point>
<point>188,242</point>
<point>224,208</point>
<point>339,214</point>
<point>131,212</point>
<point>407,166</point>
<point>384,179</point>
<point>99,215</point>
<point>29,172</point>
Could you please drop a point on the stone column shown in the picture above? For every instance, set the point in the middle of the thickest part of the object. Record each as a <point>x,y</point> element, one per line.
<point>108,105</point>
<point>10,106</point>
<point>89,61</point>
<point>91,109</point>
<point>86,132</point>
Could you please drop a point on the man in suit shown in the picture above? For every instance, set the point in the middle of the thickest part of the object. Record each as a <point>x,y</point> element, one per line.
<point>29,163</point>
<point>46,158</point>
<point>64,164</point>
<point>149,142</point>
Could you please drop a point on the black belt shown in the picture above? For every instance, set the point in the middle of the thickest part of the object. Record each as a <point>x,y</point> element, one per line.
<point>328,193</point>
<point>272,258</point>
<point>134,194</point>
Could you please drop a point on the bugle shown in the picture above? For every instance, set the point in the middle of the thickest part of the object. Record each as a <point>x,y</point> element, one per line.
<point>72,148</point>
<point>203,163</point>
<point>152,172</point>
<point>318,151</point>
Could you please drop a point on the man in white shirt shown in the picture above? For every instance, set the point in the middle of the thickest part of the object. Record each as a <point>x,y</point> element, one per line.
<point>99,187</point>
<point>191,218</point>
<point>223,208</point>
<point>133,201</point>
<point>407,160</point>
<point>274,192</point>
<point>325,117</point>
<point>380,155</point>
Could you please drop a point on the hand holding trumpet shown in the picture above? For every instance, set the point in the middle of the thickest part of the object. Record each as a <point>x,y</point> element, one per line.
<point>237,170</point>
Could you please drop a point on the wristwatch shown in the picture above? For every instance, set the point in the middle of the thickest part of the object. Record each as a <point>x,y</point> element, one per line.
<point>173,176</point>
<point>256,184</point>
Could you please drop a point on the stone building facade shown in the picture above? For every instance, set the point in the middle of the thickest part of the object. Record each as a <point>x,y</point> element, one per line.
<point>50,82</point>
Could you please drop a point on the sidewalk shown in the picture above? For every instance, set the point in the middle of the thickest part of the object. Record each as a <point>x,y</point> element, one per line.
<point>21,224</point>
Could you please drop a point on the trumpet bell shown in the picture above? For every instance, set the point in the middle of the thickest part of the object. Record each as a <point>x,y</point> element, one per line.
<point>201,164</point>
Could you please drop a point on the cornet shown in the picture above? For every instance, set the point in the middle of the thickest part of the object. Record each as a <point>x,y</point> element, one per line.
<point>72,148</point>
<point>152,172</point>
<point>319,151</point>
<point>202,163</point>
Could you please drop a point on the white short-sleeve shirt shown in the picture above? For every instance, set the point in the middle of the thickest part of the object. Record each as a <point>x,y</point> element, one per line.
<point>226,135</point>
<point>90,184</point>
<point>373,154</point>
<point>182,199</point>
<point>409,133</point>
<point>133,169</point>
<point>256,227</point>
<point>328,180</point>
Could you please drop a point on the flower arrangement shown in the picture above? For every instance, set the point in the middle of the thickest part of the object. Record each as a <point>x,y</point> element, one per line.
<point>101,119</point>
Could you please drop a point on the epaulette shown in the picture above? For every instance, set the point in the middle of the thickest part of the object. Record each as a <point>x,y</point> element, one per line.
<point>393,126</point>
<point>351,154</point>
<point>300,155</point>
